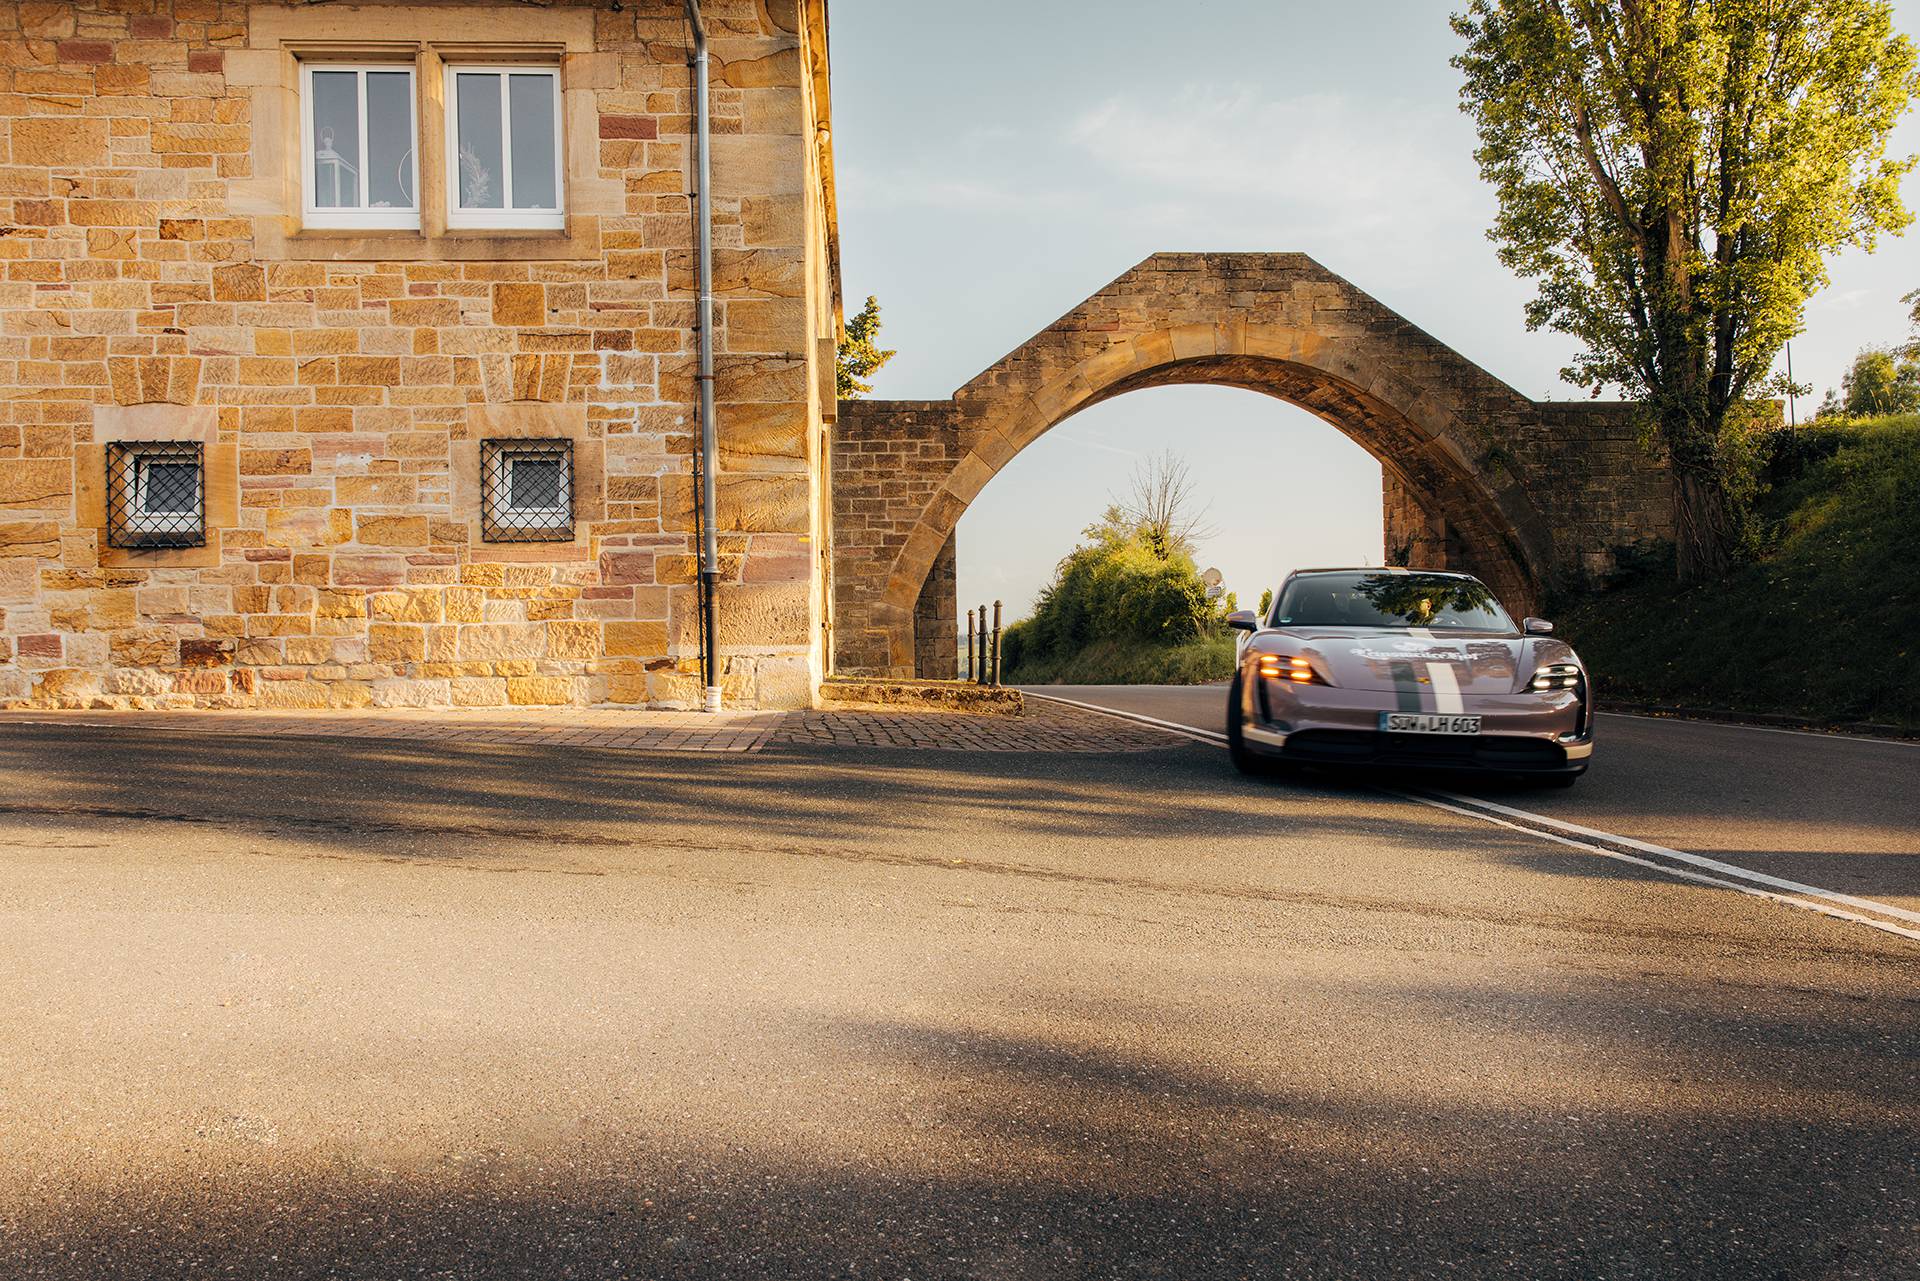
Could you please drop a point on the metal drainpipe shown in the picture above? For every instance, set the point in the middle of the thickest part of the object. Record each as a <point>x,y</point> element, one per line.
<point>709,450</point>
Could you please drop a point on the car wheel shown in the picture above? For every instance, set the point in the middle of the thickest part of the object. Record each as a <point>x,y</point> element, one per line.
<point>1244,759</point>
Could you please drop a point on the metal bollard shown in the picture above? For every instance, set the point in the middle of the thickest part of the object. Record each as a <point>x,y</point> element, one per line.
<point>969,644</point>
<point>996,644</point>
<point>983,644</point>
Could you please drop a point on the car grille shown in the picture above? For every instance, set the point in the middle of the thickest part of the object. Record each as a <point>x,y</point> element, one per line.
<point>1483,751</point>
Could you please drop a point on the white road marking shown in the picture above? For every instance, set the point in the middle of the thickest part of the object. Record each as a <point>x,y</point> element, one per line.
<point>1695,860</point>
<point>1766,729</point>
<point>1470,807</point>
<point>1199,735</point>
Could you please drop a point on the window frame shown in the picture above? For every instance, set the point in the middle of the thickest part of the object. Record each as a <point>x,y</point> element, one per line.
<point>129,522</point>
<point>500,521</point>
<point>361,217</point>
<point>505,218</point>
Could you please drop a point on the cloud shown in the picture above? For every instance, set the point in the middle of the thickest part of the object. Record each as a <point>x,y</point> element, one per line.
<point>1325,169</point>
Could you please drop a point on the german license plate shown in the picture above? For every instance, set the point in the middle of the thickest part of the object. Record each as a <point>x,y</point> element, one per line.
<point>1428,723</point>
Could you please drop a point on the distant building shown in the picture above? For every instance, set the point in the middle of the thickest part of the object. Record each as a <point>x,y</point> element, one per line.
<point>347,352</point>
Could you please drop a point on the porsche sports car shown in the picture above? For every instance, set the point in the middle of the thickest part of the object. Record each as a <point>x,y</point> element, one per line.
<point>1401,667</point>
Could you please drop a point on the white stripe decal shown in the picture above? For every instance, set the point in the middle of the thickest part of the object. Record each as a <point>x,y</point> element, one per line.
<point>1446,688</point>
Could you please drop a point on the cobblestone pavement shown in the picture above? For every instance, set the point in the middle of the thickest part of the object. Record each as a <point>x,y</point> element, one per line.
<point>1045,727</point>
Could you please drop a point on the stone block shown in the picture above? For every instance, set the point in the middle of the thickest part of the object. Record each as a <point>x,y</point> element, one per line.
<point>391,531</point>
<point>494,641</point>
<point>30,483</point>
<point>573,639</point>
<point>635,639</point>
<point>292,695</point>
<point>396,643</point>
<point>541,691</point>
<point>407,605</point>
<point>60,142</point>
<point>478,691</point>
<point>398,692</point>
<point>519,304</point>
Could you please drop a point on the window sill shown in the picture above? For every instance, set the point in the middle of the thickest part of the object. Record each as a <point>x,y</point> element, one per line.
<point>579,239</point>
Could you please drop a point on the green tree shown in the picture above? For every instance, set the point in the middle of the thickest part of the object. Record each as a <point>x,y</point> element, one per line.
<point>860,355</point>
<point>1879,382</point>
<point>1674,173</point>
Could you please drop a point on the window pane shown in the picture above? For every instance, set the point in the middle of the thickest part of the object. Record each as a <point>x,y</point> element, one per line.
<point>170,489</point>
<point>536,484</point>
<point>336,140</point>
<point>390,140</point>
<point>477,120</point>
<point>530,100</point>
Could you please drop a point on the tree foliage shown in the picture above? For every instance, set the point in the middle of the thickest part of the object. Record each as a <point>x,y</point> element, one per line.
<point>1674,174</point>
<point>1880,382</point>
<point>860,355</point>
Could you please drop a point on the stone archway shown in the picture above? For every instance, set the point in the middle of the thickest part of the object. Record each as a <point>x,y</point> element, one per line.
<point>1477,476</point>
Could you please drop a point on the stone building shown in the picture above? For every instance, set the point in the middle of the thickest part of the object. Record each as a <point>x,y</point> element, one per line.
<point>348,352</point>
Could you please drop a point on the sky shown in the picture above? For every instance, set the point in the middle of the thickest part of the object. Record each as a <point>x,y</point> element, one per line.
<point>999,162</point>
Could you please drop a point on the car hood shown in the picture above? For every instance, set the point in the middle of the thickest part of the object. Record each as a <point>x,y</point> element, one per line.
<point>1413,660</point>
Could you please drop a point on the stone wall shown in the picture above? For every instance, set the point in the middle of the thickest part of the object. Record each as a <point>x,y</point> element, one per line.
<point>158,284</point>
<point>1529,496</point>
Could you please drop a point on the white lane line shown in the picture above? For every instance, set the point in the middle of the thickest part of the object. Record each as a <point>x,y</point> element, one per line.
<point>1471,807</point>
<point>1765,729</point>
<point>1694,860</point>
<point>1786,900</point>
<point>1199,735</point>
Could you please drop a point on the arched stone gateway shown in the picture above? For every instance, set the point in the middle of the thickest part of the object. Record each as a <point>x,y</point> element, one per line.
<point>1528,495</point>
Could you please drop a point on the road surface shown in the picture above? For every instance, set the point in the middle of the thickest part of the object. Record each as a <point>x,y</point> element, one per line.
<point>1829,810</point>
<point>314,1008</point>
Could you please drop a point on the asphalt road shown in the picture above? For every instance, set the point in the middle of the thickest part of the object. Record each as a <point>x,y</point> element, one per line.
<point>331,1008</point>
<point>1837,812</point>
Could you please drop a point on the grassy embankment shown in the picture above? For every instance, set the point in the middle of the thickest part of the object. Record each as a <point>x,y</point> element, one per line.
<point>1112,662</point>
<point>1822,626</point>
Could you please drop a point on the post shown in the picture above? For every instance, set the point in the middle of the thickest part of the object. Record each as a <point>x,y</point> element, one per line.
<point>983,644</point>
<point>969,644</point>
<point>996,644</point>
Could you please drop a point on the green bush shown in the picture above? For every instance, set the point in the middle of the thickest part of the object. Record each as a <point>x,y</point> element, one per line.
<point>1820,626</point>
<point>1116,596</point>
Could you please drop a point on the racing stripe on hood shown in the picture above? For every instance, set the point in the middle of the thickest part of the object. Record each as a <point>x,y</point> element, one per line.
<point>1446,688</point>
<point>1406,687</point>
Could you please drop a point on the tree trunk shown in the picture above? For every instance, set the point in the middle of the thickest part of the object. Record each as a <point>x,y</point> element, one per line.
<point>1702,525</point>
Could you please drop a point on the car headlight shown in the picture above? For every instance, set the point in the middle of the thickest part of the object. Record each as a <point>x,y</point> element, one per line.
<point>1293,669</point>
<point>1555,676</point>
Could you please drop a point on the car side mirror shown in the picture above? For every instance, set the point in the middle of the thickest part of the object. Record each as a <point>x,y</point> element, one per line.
<point>1537,627</point>
<point>1243,620</point>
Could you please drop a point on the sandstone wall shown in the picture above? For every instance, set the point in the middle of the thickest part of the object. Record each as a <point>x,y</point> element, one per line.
<point>156,282</point>
<point>1530,496</point>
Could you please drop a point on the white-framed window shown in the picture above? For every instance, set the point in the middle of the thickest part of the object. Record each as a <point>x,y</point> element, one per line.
<point>156,494</point>
<point>526,489</point>
<point>503,147</point>
<point>359,145</point>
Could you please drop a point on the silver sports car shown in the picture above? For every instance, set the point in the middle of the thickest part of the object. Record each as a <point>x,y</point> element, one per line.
<point>1405,667</point>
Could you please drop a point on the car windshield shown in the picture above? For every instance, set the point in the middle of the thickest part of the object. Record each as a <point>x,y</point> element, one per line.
<point>1380,599</point>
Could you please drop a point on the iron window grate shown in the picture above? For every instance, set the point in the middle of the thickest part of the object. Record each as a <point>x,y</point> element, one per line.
<point>526,491</point>
<point>156,494</point>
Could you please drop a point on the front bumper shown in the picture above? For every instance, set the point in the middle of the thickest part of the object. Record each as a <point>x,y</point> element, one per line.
<point>1522,733</point>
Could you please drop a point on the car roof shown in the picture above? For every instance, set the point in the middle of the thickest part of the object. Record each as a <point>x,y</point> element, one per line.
<point>1380,569</point>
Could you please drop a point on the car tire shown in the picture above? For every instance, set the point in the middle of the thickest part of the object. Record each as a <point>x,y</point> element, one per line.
<point>1243,757</point>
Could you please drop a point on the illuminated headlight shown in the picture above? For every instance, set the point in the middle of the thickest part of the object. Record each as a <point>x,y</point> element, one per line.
<point>1555,676</point>
<point>1296,669</point>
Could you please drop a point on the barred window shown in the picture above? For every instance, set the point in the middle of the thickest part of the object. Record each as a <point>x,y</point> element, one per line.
<point>526,491</point>
<point>156,494</point>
